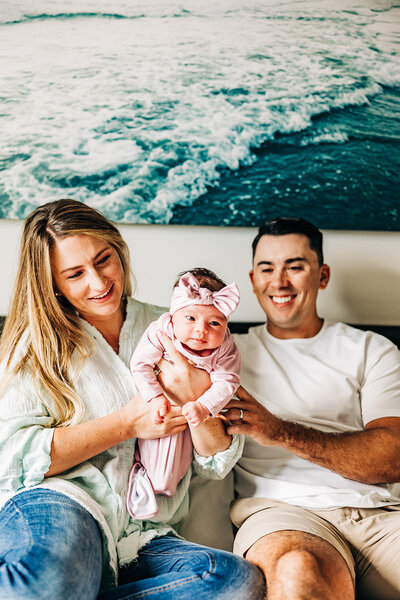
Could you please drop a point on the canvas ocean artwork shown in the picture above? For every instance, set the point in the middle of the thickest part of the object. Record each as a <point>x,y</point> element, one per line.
<point>203,112</point>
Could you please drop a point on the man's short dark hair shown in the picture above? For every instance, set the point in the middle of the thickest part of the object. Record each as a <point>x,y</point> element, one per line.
<point>287,225</point>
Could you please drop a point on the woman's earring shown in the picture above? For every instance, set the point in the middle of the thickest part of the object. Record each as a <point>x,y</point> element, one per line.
<point>58,294</point>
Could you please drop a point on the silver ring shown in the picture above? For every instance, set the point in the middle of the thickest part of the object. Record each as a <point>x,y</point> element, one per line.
<point>241,413</point>
<point>156,371</point>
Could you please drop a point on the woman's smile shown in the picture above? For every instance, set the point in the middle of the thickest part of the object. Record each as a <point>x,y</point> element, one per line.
<point>88,272</point>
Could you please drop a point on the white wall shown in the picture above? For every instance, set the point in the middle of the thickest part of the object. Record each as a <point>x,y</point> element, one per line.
<point>364,289</point>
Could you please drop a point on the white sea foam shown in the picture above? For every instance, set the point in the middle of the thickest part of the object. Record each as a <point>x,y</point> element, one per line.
<point>136,107</point>
<point>325,137</point>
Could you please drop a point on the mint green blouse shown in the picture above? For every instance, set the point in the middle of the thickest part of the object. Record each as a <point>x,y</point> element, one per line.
<point>105,384</point>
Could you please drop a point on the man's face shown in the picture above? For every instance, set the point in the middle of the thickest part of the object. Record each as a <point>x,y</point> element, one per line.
<point>286,278</point>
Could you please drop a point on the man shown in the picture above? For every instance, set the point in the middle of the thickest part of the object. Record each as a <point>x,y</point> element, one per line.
<point>318,504</point>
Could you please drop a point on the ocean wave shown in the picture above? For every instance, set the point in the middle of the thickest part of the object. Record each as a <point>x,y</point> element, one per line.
<point>20,11</point>
<point>326,137</point>
<point>23,11</point>
<point>138,115</point>
<point>13,20</point>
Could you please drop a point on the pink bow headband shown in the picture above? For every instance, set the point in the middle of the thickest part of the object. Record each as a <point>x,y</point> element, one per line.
<point>188,292</point>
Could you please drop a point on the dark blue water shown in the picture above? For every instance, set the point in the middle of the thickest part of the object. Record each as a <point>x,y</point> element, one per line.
<point>353,183</point>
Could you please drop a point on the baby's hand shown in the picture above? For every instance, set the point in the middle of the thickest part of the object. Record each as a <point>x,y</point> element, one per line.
<point>160,407</point>
<point>195,413</point>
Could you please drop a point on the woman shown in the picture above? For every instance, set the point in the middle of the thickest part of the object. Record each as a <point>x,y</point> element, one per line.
<point>70,417</point>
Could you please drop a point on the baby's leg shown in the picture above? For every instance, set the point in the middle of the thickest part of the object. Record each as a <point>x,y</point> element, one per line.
<point>166,460</point>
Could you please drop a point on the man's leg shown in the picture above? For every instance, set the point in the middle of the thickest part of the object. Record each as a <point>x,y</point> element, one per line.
<point>302,555</point>
<point>374,534</point>
<point>299,565</point>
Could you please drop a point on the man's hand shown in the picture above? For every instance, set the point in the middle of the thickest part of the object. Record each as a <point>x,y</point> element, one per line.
<point>181,381</point>
<point>249,417</point>
<point>370,455</point>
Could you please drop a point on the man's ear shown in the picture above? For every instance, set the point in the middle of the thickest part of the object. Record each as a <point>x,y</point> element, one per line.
<point>324,276</point>
<point>251,275</point>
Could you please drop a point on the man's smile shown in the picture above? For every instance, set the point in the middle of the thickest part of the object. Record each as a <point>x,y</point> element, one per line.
<point>283,299</point>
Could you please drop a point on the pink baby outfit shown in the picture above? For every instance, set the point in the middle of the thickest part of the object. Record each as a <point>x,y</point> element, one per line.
<point>223,364</point>
<point>161,464</point>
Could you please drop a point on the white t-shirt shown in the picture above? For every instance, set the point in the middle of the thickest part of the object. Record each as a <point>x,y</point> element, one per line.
<point>337,381</point>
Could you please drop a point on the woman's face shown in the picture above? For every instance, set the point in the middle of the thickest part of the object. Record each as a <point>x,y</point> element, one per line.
<point>89,273</point>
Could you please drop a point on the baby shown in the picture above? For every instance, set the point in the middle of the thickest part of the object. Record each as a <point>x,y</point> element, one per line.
<point>197,324</point>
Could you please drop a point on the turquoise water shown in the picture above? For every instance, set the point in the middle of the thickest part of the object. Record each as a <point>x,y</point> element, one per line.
<point>203,112</point>
<point>351,183</point>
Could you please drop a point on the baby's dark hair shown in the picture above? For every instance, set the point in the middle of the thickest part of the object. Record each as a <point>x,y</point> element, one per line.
<point>206,278</point>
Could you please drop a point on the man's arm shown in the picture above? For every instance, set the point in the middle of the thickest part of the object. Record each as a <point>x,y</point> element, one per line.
<point>371,455</point>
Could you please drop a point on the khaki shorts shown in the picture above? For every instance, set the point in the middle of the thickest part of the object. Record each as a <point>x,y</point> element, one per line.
<point>367,538</point>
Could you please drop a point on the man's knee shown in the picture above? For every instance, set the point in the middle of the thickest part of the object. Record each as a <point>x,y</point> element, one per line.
<point>298,561</point>
<point>299,575</point>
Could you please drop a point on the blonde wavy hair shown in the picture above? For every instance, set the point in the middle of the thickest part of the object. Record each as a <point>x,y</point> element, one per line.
<point>51,324</point>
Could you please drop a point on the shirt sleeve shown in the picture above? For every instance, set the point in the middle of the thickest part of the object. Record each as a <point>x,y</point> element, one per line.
<point>146,355</point>
<point>25,438</point>
<point>219,465</point>
<point>380,387</point>
<point>225,378</point>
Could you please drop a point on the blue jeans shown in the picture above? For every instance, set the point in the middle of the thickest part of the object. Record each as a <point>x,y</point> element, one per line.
<point>51,549</point>
<point>169,568</point>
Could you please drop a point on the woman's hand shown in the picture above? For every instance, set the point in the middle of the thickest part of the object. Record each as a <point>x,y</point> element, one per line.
<point>136,417</point>
<point>74,444</point>
<point>181,381</point>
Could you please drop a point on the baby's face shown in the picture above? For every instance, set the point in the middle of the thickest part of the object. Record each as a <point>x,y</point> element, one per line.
<point>200,328</point>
